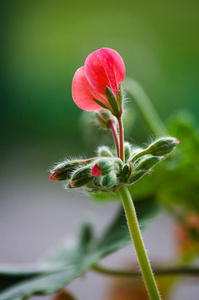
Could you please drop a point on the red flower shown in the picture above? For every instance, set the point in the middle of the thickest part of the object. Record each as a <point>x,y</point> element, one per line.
<point>103,68</point>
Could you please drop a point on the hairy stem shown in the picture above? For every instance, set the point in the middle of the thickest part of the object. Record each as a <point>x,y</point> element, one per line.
<point>138,243</point>
<point>121,133</point>
<point>111,125</point>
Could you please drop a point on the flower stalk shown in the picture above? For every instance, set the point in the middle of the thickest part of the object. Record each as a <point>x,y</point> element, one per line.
<point>134,228</point>
<point>111,125</point>
<point>121,137</point>
<point>138,243</point>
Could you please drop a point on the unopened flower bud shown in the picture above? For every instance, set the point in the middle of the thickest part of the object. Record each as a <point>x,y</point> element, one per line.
<point>127,151</point>
<point>109,180</point>
<point>103,117</point>
<point>147,163</point>
<point>63,170</point>
<point>97,181</point>
<point>102,166</point>
<point>79,182</point>
<point>104,151</point>
<point>137,175</point>
<point>126,172</point>
<point>162,146</point>
<point>84,172</point>
<point>81,177</point>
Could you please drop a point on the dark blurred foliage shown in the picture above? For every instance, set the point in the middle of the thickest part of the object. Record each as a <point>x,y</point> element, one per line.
<point>44,42</point>
<point>63,295</point>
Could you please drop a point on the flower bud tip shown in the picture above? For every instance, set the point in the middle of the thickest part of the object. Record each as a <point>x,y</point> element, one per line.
<point>95,171</point>
<point>176,142</point>
<point>52,176</point>
<point>72,183</point>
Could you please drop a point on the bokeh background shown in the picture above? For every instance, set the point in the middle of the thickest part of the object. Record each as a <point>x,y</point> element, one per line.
<point>42,45</point>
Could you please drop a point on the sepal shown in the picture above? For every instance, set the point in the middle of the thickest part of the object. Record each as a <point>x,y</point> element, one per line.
<point>112,101</point>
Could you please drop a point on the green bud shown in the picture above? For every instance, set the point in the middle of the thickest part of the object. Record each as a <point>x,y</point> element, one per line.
<point>84,172</point>
<point>147,163</point>
<point>112,101</point>
<point>162,146</point>
<point>118,163</point>
<point>97,181</point>
<point>79,182</point>
<point>103,117</point>
<point>104,151</point>
<point>136,176</point>
<point>63,170</point>
<point>126,172</point>
<point>109,180</point>
<point>127,151</point>
<point>102,166</point>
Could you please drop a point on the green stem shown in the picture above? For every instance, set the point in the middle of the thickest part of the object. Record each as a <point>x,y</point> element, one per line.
<point>146,108</point>
<point>138,243</point>
<point>157,271</point>
<point>121,134</point>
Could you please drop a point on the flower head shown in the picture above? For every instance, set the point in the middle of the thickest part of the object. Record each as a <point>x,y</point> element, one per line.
<point>104,68</point>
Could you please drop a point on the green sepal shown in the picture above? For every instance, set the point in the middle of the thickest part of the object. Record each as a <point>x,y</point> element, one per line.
<point>79,182</point>
<point>127,151</point>
<point>124,175</point>
<point>101,104</point>
<point>137,176</point>
<point>112,101</point>
<point>120,96</point>
<point>82,173</point>
<point>147,163</point>
<point>97,181</point>
<point>109,180</point>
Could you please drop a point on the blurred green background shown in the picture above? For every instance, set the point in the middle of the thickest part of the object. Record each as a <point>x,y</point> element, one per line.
<point>44,42</point>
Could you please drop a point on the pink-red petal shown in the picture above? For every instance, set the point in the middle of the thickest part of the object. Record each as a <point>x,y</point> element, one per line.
<point>95,171</point>
<point>83,92</point>
<point>105,67</point>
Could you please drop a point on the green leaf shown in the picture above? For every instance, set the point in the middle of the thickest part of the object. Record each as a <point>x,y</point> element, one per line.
<point>71,260</point>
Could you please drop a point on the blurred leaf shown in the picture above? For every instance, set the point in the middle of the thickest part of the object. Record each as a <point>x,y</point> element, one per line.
<point>72,260</point>
<point>174,182</point>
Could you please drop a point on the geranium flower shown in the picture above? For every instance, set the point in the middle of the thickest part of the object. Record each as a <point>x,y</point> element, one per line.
<point>103,68</point>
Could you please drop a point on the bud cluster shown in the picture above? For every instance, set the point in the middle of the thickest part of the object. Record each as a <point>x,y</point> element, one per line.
<point>106,172</point>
